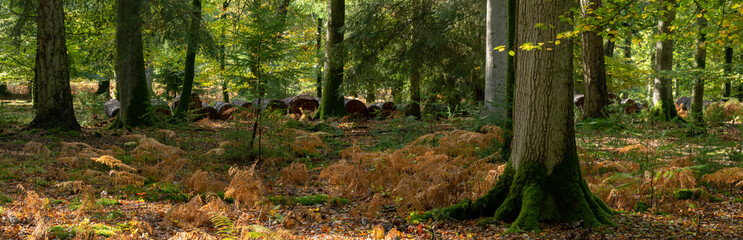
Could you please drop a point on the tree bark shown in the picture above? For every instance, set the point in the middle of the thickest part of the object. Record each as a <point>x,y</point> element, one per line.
<point>594,69</point>
<point>318,66</point>
<point>700,57</point>
<point>610,45</point>
<point>131,82</point>
<point>193,46</point>
<point>223,54</point>
<point>628,45</point>
<point>662,88</point>
<point>542,181</point>
<point>54,107</point>
<point>331,103</point>
<point>496,62</point>
<point>728,69</point>
<point>414,107</point>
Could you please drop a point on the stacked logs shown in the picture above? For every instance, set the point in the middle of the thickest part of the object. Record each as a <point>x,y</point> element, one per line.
<point>630,106</point>
<point>383,109</point>
<point>300,103</point>
<point>113,106</point>
<point>356,107</point>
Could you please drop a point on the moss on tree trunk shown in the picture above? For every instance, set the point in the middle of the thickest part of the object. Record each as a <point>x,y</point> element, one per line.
<point>332,103</point>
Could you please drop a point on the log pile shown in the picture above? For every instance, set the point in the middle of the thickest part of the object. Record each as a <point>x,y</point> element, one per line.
<point>112,107</point>
<point>195,102</point>
<point>300,103</point>
<point>270,104</point>
<point>242,103</point>
<point>355,107</point>
<point>383,109</point>
<point>224,110</point>
<point>206,111</point>
<point>160,106</point>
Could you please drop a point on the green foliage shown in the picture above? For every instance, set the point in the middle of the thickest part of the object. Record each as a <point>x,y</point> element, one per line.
<point>158,192</point>
<point>308,200</point>
<point>641,206</point>
<point>107,202</point>
<point>62,232</point>
<point>400,131</point>
<point>5,199</point>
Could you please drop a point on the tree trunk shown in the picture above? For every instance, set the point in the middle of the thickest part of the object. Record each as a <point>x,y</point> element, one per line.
<point>54,107</point>
<point>728,69</point>
<point>222,53</point>
<point>662,89</point>
<point>628,45</point>
<point>542,181</point>
<point>103,87</point>
<point>594,70</point>
<point>319,64</point>
<point>496,61</point>
<point>193,46</point>
<point>331,103</point>
<point>700,57</point>
<point>414,107</point>
<point>131,82</point>
<point>610,45</point>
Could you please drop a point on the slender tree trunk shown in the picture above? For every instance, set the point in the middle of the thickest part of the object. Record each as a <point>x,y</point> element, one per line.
<point>193,46</point>
<point>543,181</point>
<point>700,57</point>
<point>511,70</point>
<point>223,54</point>
<point>496,61</point>
<point>54,107</point>
<point>594,70</point>
<point>414,107</point>
<point>332,103</point>
<point>319,64</point>
<point>610,45</point>
<point>728,69</point>
<point>628,45</point>
<point>663,90</point>
<point>131,82</point>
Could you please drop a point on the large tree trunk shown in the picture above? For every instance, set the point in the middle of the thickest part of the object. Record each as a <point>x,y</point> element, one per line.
<point>131,82</point>
<point>543,179</point>
<point>54,106</point>
<point>700,57</point>
<point>662,88</point>
<point>594,70</point>
<point>728,69</point>
<point>496,61</point>
<point>193,46</point>
<point>331,103</point>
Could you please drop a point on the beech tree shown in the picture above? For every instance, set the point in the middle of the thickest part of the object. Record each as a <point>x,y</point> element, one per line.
<point>332,103</point>
<point>193,46</point>
<point>662,88</point>
<point>54,106</point>
<point>542,180</point>
<point>131,82</point>
<point>700,58</point>
<point>496,61</point>
<point>594,69</point>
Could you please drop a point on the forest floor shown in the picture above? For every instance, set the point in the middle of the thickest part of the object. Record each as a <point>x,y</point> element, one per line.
<point>348,179</point>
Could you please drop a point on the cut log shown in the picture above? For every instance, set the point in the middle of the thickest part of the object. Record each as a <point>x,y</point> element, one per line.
<point>383,109</point>
<point>578,100</point>
<point>241,103</point>
<point>613,97</point>
<point>683,103</point>
<point>161,106</point>
<point>270,104</point>
<point>206,111</point>
<point>195,101</point>
<point>355,107</point>
<point>303,102</point>
<point>224,109</point>
<point>112,107</point>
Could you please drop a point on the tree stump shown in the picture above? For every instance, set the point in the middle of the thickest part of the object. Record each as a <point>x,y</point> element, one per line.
<point>303,101</point>
<point>224,110</point>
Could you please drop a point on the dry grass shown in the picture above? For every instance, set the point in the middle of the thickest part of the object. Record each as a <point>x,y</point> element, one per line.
<point>307,143</point>
<point>245,187</point>
<point>85,151</point>
<point>36,148</point>
<point>194,234</point>
<point>295,174</point>
<point>432,171</point>
<point>201,182</point>
<point>188,214</point>
<point>726,178</point>
<point>150,149</point>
